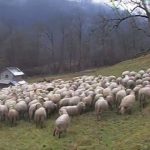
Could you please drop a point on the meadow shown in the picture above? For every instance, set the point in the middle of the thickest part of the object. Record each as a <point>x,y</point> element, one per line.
<point>113,132</point>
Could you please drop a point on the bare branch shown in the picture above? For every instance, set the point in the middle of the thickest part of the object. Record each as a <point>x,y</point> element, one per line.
<point>120,20</point>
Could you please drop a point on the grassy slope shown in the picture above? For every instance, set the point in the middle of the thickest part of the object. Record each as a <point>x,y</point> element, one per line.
<point>113,132</point>
<point>136,64</point>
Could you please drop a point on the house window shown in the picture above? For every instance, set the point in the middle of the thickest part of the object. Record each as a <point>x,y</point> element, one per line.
<point>6,76</point>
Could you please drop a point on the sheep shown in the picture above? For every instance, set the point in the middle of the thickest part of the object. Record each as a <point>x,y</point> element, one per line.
<point>61,124</point>
<point>32,110</point>
<point>106,92</point>
<point>139,81</point>
<point>22,108</point>
<point>138,76</point>
<point>54,97</point>
<point>100,106</point>
<point>64,102</point>
<point>3,112</point>
<point>118,80</point>
<point>97,96</point>
<point>69,101</point>
<point>50,107</point>
<point>110,99</point>
<point>146,83</point>
<point>141,72</point>
<point>119,96</point>
<point>40,116</point>
<point>132,73</point>
<point>13,116</point>
<point>143,96</point>
<point>125,73</point>
<point>125,80</point>
<point>73,110</point>
<point>33,102</point>
<point>148,70</point>
<point>113,85</point>
<point>74,100</point>
<point>136,90</point>
<point>127,103</point>
<point>88,101</point>
<point>99,90</point>
<point>130,84</point>
<point>128,91</point>
<point>115,90</point>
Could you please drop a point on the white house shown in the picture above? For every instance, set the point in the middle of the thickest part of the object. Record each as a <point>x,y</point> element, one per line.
<point>11,76</point>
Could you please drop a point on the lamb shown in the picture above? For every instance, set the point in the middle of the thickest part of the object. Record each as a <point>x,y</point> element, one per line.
<point>100,106</point>
<point>61,123</point>
<point>73,110</point>
<point>127,103</point>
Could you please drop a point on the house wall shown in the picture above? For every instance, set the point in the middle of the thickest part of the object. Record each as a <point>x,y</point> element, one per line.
<point>6,75</point>
<point>17,78</point>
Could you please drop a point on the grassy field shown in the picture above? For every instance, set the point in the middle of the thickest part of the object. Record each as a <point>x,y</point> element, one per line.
<point>113,132</point>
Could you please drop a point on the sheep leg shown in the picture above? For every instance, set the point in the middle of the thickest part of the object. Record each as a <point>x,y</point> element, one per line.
<point>59,134</point>
<point>110,106</point>
<point>11,122</point>
<point>129,111</point>
<point>54,132</point>
<point>98,116</point>
<point>37,124</point>
<point>15,121</point>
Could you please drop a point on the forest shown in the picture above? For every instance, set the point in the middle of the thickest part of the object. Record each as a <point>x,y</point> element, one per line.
<point>57,36</point>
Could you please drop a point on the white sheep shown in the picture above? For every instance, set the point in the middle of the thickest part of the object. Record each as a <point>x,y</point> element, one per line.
<point>127,103</point>
<point>73,110</point>
<point>40,116</point>
<point>144,96</point>
<point>100,106</point>
<point>119,96</point>
<point>50,107</point>
<point>61,124</point>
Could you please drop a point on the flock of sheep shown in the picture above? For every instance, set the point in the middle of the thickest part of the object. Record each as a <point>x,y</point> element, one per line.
<point>37,101</point>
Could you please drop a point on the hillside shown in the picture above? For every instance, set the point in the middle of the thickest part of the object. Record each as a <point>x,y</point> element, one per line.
<point>113,132</point>
<point>135,64</point>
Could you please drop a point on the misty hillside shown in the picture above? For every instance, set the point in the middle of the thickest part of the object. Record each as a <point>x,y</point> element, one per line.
<point>56,36</point>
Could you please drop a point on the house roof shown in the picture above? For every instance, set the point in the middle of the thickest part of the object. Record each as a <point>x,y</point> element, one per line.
<point>15,71</point>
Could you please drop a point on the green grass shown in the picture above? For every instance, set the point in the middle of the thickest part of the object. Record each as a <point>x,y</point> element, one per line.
<point>113,132</point>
